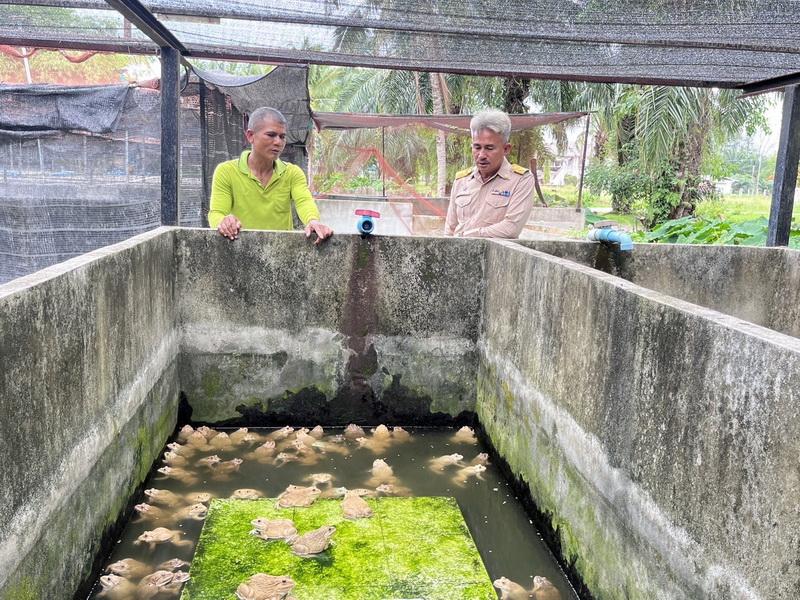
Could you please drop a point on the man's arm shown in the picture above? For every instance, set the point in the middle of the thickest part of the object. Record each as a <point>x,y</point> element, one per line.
<point>303,202</point>
<point>519,209</point>
<point>451,220</point>
<point>221,202</point>
<point>306,207</point>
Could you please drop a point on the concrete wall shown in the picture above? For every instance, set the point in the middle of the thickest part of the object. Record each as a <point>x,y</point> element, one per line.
<point>761,285</point>
<point>660,437</point>
<point>88,395</point>
<point>275,329</point>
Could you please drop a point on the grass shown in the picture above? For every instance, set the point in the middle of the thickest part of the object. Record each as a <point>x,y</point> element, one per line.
<point>410,548</point>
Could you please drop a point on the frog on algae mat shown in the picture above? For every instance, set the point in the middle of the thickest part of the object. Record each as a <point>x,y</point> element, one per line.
<point>410,548</point>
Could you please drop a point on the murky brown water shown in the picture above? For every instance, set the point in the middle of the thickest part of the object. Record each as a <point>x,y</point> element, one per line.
<point>508,542</point>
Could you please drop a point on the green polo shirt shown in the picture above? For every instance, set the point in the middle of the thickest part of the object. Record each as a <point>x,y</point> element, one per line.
<point>236,191</point>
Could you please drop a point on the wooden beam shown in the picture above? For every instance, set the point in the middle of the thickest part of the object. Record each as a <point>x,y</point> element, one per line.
<point>780,215</point>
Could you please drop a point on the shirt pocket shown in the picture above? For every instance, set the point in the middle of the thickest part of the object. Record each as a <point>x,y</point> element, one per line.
<point>498,201</point>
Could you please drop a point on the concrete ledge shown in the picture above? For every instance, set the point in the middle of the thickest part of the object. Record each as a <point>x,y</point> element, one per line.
<point>84,346</point>
<point>761,285</point>
<point>661,437</point>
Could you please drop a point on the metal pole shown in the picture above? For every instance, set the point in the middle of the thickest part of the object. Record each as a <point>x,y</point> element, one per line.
<point>383,161</point>
<point>780,215</point>
<point>170,134</point>
<point>127,157</point>
<point>583,165</point>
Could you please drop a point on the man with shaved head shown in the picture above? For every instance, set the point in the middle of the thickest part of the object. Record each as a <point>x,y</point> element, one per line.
<point>256,190</point>
<point>494,198</point>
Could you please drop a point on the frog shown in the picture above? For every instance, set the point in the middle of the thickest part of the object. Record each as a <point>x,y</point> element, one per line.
<point>312,542</point>
<point>116,587</point>
<point>162,497</point>
<point>162,535</point>
<point>543,589</point>
<point>273,529</point>
<point>376,445</point>
<point>354,506</point>
<point>440,463</point>
<point>320,479</point>
<point>334,492</point>
<point>237,437</point>
<point>265,449</point>
<point>246,494</point>
<point>129,568</point>
<point>148,512</point>
<point>302,435</point>
<point>221,441</point>
<point>463,475</point>
<point>209,461</point>
<point>178,474</point>
<point>185,432</point>
<point>353,431</point>
<point>401,435</point>
<point>224,469</point>
<point>180,449</point>
<point>298,496</point>
<point>198,498</point>
<point>510,590</point>
<point>197,441</point>
<point>381,473</point>
<point>173,459</point>
<point>207,432</point>
<point>465,435</point>
<point>281,434</point>
<point>480,459</point>
<point>195,512</point>
<point>173,564</point>
<point>381,432</point>
<point>265,587</point>
<point>161,583</point>
<point>317,433</point>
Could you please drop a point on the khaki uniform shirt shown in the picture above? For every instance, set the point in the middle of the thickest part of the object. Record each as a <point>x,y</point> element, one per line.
<point>498,207</point>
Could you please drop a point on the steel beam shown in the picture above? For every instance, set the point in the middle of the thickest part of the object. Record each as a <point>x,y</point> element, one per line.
<point>780,215</point>
<point>774,84</point>
<point>170,134</point>
<point>147,23</point>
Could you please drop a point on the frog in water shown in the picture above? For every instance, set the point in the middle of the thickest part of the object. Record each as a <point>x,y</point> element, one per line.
<point>196,512</point>
<point>161,583</point>
<point>116,587</point>
<point>265,587</point>
<point>543,589</point>
<point>462,475</point>
<point>280,434</point>
<point>173,459</point>
<point>510,590</point>
<point>148,512</point>
<point>238,436</point>
<point>353,431</point>
<point>440,463</point>
<point>465,435</point>
<point>173,564</point>
<point>480,459</point>
<point>185,432</point>
<point>381,473</point>
<point>400,434</point>
<point>312,542</point>
<point>273,529</point>
<point>128,568</point>
<point>221,441</point>
<point>198,498</point>
<point>320,479</point>
<point>207,432</point>
<point>162,497</point>
<point>162,535</point>
<point>178,474</point>
<point>317,432</point>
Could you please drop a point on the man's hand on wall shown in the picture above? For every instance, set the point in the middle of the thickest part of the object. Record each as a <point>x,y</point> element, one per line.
<point>323,231</point>
<point>229,227</point>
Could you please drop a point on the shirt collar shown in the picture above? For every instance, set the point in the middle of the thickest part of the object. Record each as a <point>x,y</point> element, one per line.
<point>278,169</point>
<point>505,171</point>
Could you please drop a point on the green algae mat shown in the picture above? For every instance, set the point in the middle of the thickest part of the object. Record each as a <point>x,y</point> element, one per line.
<point>411,548</point>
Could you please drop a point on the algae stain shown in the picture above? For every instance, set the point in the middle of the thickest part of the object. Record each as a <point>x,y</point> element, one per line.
<point>211,383</point>
<point>24,590</point>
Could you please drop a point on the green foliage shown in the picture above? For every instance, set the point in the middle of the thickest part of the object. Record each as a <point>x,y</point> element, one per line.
<point>410,548</point>
<point>694,230</point>
<point>626,184</point>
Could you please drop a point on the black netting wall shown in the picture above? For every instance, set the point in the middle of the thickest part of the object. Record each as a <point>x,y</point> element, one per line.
<point>80,167</point>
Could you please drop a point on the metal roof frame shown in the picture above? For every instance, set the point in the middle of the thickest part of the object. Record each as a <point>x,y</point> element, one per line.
<point>173,52</point>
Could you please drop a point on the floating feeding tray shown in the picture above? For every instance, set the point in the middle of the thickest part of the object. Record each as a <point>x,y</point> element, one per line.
<point>411,548</point>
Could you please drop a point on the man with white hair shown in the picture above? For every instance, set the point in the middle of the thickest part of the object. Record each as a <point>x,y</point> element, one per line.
<point>494,198</point>
<point>256,190</point>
